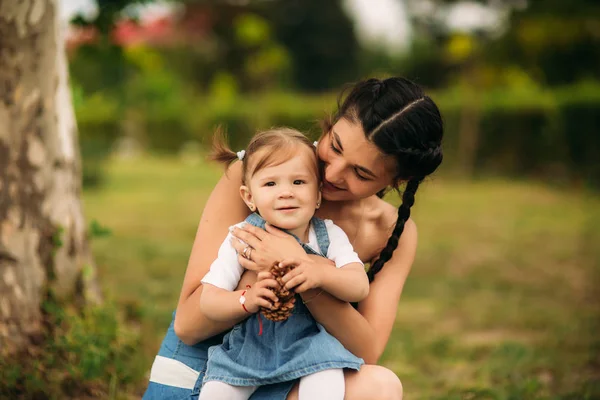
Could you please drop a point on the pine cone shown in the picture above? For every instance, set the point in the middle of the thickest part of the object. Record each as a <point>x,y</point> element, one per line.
<point>283,308</point>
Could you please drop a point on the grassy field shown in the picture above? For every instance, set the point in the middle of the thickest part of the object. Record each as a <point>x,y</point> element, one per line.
<point>500,303</point>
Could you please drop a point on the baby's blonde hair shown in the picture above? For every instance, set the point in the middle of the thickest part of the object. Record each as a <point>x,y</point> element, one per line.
<point>283,143</point>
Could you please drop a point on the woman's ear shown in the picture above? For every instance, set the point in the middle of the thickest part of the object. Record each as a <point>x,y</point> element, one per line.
<point>319,197</point>
<point>247,197</point>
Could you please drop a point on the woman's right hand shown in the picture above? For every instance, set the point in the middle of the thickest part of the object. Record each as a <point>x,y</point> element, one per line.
<point>268,247</point>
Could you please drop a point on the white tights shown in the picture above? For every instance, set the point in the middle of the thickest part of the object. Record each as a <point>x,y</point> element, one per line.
<point>326,385</point>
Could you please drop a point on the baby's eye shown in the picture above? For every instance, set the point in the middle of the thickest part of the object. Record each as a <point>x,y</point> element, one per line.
<point>270,184</point>
<point>299,182</point>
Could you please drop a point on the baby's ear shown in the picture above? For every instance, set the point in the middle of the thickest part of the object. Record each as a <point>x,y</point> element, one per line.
<point>247,197</point>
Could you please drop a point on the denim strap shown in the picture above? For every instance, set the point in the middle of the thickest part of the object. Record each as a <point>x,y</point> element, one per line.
<point>322,235</point>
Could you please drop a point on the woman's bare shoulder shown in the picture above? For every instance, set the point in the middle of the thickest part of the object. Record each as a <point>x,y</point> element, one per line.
<point>386,216</point>
<point>382,220</point>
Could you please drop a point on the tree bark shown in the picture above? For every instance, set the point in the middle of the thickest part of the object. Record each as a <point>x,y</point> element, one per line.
<point>43,245</point>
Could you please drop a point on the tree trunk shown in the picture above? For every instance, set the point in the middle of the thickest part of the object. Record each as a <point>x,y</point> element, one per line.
<point>43,244</point>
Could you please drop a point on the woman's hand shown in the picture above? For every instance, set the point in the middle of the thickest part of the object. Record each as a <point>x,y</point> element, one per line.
<point>260,295</point>
<point>306,275</point>
<point>267,247</point>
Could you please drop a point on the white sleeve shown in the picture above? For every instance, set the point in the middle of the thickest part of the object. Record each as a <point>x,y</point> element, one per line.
<point>340,250</point>
<point>225,272</point>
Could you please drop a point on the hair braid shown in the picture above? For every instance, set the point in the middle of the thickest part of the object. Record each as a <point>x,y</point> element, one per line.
<point>408,199</point>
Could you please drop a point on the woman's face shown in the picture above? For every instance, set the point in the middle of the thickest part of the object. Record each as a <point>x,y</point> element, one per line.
<point>353,167</point>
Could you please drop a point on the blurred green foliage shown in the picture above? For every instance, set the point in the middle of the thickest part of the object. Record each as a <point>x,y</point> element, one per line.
<point>87,353</point>
<point>320,38</point>
<point>549,134</point>
<point>552,42</point>
<point>521,100</point>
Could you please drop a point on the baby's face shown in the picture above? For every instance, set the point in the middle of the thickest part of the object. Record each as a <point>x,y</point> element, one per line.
<point>287,194</point>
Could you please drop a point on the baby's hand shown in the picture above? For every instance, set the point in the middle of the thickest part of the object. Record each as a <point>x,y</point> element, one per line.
<point>306,275</point>
<point>260,295</point>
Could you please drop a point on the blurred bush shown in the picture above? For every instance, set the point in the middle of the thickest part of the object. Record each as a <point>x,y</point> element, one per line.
<point>550,134</point>
<point>89,353</point>
<point>99,118</point>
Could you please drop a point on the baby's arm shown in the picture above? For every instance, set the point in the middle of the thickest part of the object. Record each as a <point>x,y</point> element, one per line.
<point>219,300</point>
<point>347,282</point>
<point>220,304</point>
<point>223,305</point>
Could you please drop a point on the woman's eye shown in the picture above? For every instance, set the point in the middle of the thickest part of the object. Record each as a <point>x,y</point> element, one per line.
<point>359,176</point>
<point>298,182</point>
<point>335,150</point>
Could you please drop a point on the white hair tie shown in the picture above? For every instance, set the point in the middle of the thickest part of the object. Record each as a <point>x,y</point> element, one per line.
<point>241,154</point>
<point>315,143</point>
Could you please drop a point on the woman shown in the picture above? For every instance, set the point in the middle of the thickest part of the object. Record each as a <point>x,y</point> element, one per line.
<point>385,133</point>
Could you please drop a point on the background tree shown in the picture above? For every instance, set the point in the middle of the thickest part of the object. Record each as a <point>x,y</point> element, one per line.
<point>320,38</point>
<point>43,246</point>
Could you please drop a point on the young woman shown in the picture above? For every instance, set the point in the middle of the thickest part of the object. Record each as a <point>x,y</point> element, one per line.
<point>386,133</point>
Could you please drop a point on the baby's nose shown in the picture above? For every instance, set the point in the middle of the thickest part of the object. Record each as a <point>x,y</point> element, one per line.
<point>284,194</point>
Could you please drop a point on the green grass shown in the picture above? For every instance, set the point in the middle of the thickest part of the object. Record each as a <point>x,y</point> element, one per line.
<point>500,304</point>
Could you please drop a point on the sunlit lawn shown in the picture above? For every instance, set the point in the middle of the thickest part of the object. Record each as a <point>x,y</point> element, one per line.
<point>500,303</point>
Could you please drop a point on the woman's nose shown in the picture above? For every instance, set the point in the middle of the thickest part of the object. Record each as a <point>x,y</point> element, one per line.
<point>334,172</point>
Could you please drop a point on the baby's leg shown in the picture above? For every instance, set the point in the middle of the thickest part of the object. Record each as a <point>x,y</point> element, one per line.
<point>215,390</point>
<point>328,384</point>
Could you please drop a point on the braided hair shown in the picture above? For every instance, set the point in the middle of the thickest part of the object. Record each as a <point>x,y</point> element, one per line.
<point>404,123</point>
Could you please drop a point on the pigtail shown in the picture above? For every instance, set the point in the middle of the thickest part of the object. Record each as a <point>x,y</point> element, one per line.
<point>220,150</point>
<point>408,199</point>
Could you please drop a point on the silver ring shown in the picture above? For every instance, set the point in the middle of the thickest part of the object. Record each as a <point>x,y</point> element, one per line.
<point>246,252</point>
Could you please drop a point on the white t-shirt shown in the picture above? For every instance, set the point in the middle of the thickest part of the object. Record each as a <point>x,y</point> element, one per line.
<point>225,272</point>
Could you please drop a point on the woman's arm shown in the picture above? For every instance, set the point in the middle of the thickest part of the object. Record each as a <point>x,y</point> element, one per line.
<point>366,332</point>
<point>223,208</point>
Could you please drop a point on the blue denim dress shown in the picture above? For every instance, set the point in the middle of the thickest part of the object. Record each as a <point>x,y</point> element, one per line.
<point>285,351</point>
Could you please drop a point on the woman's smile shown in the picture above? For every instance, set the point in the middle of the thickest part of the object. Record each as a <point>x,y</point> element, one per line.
<point>330,187</point>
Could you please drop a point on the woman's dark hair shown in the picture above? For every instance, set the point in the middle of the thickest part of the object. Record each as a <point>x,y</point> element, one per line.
<point>404,123</point>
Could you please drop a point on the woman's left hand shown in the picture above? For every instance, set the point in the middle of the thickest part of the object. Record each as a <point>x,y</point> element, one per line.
<point>268,247</point>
